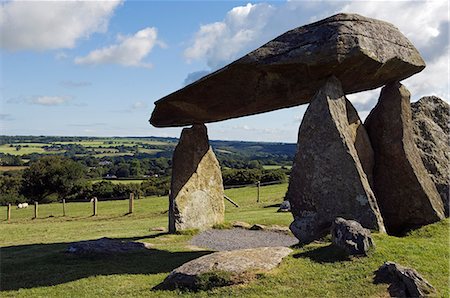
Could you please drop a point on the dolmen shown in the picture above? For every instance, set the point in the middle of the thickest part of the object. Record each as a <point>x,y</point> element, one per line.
<point>370,172</point>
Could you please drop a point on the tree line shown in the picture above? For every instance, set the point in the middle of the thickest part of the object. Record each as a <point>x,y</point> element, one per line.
<point>52,178</point>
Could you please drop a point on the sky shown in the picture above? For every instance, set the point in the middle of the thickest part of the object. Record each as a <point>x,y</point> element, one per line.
<point>96,68</point>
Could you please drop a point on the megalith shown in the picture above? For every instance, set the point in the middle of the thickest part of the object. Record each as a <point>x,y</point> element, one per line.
<point>328,178</point>
<point>363,53</point>
<point>405,193</point>
<point>431,118</point>
<point>196,191</point>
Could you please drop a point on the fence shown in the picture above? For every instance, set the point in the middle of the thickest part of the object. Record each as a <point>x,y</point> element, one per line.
<point>131,204</point>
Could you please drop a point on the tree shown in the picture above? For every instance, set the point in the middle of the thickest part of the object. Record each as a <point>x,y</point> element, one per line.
<point>53,175</point>
<point>10,184</point>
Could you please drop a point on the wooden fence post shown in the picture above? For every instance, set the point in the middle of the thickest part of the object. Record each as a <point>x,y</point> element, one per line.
<point>9,212</point>
<point>131,203</point>
<point>64,207</point>
<point>36,211</point>
<point>94,206</point>
<point>258,184</point>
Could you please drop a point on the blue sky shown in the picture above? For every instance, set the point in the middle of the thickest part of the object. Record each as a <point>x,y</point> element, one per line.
<point>95,68</point>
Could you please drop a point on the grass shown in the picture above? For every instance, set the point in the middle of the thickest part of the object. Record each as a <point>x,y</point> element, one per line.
<point>274,167</point>
<point>33,262</point>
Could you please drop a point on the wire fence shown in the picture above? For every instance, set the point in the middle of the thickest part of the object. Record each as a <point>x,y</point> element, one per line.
<point>131,206</point>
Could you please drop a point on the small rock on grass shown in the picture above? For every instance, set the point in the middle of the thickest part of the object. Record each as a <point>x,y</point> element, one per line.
<point>405,282</point>
<point>241,224</point>
<point>352,237</point>
<point>105,247</point>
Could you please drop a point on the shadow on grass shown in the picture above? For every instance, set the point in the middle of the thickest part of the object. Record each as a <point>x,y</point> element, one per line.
<point>37,265</point>
<point>324,254</point>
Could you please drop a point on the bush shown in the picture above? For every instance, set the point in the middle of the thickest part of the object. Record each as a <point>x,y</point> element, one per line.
<point>156,186</point>
<point>251,176</point>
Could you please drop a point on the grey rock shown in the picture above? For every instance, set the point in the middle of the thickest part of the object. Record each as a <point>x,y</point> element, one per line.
<point>363,53</point>
<point>405,282</point>
<point>224,268</point>
<point>328,178</point>
<point>241,224</point>
<point>351,237</point>
<point>285,207</point>
<point>258,227</point>
<point>405,192</point>
<point>431,118</point>
<point>196,193</point>
<point>105,247</point>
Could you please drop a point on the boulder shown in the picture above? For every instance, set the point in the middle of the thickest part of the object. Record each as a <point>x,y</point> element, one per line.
<point>352,237</point>
<point>363,53</point>
<point>405,193</point>
<point>329,177</point>
<point>105,247</point>
<point>405,282</point>
<point>431,118</point>
<point>285,206</point>
<point>196,191</point>
<point>224,268</point>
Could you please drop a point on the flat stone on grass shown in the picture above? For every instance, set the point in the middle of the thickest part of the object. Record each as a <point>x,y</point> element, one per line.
<point>224,268</point>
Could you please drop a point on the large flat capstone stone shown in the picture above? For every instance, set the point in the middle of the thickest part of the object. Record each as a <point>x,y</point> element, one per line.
<point>332,166</point>
<point>363,53</point>
<point>407,196</point>
<point>196,192</point>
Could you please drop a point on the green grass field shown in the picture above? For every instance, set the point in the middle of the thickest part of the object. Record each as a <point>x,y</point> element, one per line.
<point>273,167</point>
<point>34,264</point>
<point>107,145</point>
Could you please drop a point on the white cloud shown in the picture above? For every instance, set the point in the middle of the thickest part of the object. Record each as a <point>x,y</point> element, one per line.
<point>129,51</point>
<point>222,41</point>
<point>45,25</point>
<point>49,100</point>
<point>138,105</point>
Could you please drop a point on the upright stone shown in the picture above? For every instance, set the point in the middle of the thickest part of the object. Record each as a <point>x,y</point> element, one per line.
<point>196,193</point>
<point>431,118</point>
<point>406,194</point>
<point>328,179</point>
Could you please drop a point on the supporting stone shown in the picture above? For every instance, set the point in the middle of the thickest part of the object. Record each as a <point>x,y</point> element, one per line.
<point>431,118</point>
<point>328,179</point>
<point>406,194</point>
<point>196,193</point>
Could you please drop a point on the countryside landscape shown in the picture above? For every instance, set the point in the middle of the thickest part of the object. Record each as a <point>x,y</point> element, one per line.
<point>34,262</point>
<point>224,149</point>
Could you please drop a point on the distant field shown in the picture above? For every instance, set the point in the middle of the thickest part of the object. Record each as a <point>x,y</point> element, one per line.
<point>127,181</point>
<point>11,168</point>
<point>270,167</point>
<point>102,147</point>
<point>33,148</point>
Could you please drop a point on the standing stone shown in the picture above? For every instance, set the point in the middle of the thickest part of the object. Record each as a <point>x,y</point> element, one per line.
<point>196,193</point>
<point>406,194</point>
<point>328,178</point>
<point>431,118</point>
